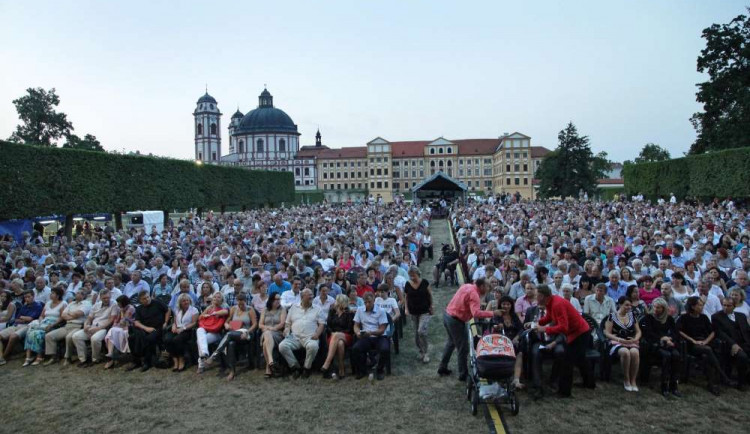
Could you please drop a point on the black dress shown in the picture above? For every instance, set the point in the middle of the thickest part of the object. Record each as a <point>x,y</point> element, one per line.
<point>418,300</point>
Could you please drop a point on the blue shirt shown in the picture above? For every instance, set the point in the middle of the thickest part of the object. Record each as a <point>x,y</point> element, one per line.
<point>33,310</point>
<point>273,288</point>
<point>616,293</point>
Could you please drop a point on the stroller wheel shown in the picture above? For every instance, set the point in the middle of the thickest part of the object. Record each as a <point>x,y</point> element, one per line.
<point>514,404</point>
<point>474,403</point>
<point>469,388</point>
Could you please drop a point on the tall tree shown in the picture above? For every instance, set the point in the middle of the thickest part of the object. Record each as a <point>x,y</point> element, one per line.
<point>652,152</point>
<point>40,123</point>
<point>88,143</point>
<point>725,120</point>
<point>572,167</point>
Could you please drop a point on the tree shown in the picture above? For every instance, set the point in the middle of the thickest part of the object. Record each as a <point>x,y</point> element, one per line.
<point>572,167</point>
<point>88,143</point>
<point>652,152</point>
<point>725,120</point>
<point>41,124</point>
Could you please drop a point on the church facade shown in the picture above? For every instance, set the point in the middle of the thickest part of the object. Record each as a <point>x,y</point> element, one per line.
<point>266,138</point>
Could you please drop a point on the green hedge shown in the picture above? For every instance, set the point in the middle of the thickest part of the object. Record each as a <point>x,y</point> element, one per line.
<point>705,176</point>
<point>311,197</point>
<point>40,180</point>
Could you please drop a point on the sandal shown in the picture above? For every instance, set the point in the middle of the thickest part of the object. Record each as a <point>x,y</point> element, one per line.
<point>37,362</point>
<point>27,362</point>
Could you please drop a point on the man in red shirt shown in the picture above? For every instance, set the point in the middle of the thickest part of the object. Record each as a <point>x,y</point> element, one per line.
<point>362,286</point>
<point>462,308</point>
<point>568,322</point>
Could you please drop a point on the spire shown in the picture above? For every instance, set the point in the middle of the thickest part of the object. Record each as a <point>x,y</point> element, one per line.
<point>318,141</point>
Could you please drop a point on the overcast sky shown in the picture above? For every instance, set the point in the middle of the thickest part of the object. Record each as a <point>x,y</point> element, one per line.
<point>131,72</point>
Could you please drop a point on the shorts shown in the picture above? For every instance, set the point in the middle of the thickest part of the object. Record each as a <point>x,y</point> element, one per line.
<point>20,330</point>
<point>348,339</point>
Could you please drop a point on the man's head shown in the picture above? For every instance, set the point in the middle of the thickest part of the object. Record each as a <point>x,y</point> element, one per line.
<point>614,277</point>
<point>543,295</point>
<point>369,299</point>
<point>600,290</point>
<point>135,277</point>
<point>728,305</point>
<point>296,285</point>
<point>40,283</point>
<point>105,296</point>
<point>306,297</point>
<point>483,285</point>
<point>144,298</point>
<point>28,297</point>
<point>278,279</point>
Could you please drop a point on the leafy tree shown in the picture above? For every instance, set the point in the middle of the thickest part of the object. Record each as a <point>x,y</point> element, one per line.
<point>652,152</point>
<point>725,120</point>
<point>88,143</point>
<point>41,124</point>
<point>572,167</point>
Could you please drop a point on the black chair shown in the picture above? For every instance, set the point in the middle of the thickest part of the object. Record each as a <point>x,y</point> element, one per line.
<point>593,356</point>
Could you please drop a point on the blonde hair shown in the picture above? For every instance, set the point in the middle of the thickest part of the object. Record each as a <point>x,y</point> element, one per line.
<point>342,302</point>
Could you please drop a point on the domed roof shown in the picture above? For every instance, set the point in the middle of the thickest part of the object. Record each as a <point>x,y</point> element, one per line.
<point>237,115</point>
<point>206,98</point>
<point>266,118</point>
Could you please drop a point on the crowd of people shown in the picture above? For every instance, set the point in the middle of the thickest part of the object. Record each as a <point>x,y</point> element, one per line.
<point>294,289</point>
<point>644,284</point>
<point>297,289</point>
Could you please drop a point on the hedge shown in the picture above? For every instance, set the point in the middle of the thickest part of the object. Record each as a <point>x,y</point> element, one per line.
<point>309,197</point>
<point>40,180</point>
<point>705,176</point>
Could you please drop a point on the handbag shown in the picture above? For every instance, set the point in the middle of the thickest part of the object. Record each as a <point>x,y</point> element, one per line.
<point>212,323</point>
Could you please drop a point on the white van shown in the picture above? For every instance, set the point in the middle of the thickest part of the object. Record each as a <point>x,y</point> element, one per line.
<point>144,219</point>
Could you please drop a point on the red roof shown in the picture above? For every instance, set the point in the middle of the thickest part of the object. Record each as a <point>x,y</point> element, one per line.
<point>539,151</point>
<point>310,151</point>
<point>414,148</point>
<point>349,152</point>
<point>477,146</point>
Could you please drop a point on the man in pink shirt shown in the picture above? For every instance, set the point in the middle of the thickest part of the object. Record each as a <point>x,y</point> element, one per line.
<point>528,300</point>
<point>462,308</point>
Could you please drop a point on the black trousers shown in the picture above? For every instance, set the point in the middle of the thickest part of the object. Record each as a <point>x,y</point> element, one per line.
<point>537,359</point>
<point>178,343</point>
<point>709,360</point>
<point>233,343</point>
<point>742,361</point>
<point>670,366</point>
<point>360,349</point>
<point>575,355</point>
<point>143,345</point>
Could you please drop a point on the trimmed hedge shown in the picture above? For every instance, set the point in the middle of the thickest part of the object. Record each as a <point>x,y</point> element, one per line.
<point>40,180</point>
<point>705,176</point>
<point>311,197</point>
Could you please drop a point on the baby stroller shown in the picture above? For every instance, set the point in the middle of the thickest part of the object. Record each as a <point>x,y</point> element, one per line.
<point>491,362</point>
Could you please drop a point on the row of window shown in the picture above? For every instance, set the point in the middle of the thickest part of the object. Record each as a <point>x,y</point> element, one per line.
<point>397,185</point>
<point>260,146</point>
<point>343,164</point>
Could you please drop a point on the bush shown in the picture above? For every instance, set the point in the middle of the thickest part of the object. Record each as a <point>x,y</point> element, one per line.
<point>45,180</point>
<point>311,197</point>
<point>715,174</point>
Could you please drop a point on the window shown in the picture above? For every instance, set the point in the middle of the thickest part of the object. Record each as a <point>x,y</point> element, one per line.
<point>440,163</point>
<point>468,161</point>
<point>518,181</point>
<point>346,185</point>
<point>507,181</point>
<point>525,155</point>
<point>450,150</point>
<point>385,184</point>
<point>212,106</point>
<point>213,129</point>
<point>421,162</point>
<point>507,167</point>
<point>307,171</point>
<point>346,175</point>
<point>432,151</point>
<point>242,147</point>
<point>476,161</point>
<point>440,150</point>
<point>351,175</point>
<point>372,185</point>
<point>359,185</point>
<point>325,176</point>
<point>396,164</point>
<point>413,163</point>
<point>359,174</point>
<point>385,159</point>
<point>380,184</point>
<point>213,156</point>
<point>379,172</point>
<point>338,164</point>
<point>325,186</point>
<point>338,175</point>
<point>516,167</point>
<point>526,181</point>
<point>396,174</point>
<point>325,165</point>
<point>296,171</point>
<point>460,162</point>
<point>487,171</point>
<point>449,163</point>
<point>372,160</point>
<point>421,173</point>
<point>385,172</point>
<point>488,161</point>
<point>396,185</point>
<point>516,155</point>
<point>259,145</point>
<point>450,171</point>
<point>413,173</point>
<point>297,182</point>
<point>488,184</point>
<point>200,129</point>
<point>432,163</point>
<point>378,160</point>
<point>525,167</point>
<point>460,172</point>
<point>338,186</point>
<point>507,155</point>
<point>359,164</point>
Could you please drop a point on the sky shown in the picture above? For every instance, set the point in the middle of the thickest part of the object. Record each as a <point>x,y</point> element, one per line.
<point>131,72</point>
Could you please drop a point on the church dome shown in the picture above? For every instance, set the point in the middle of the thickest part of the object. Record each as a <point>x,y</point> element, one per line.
<point>206,98</point>
<point>266,118</point>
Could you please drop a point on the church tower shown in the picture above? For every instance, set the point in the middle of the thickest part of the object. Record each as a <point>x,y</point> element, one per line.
<point>318,139</point>
<point>207,130</point>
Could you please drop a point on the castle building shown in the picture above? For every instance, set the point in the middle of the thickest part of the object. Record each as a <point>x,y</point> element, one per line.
<point>266,138</point>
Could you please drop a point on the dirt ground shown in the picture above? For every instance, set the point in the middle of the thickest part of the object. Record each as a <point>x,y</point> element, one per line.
<point>412,400</point>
